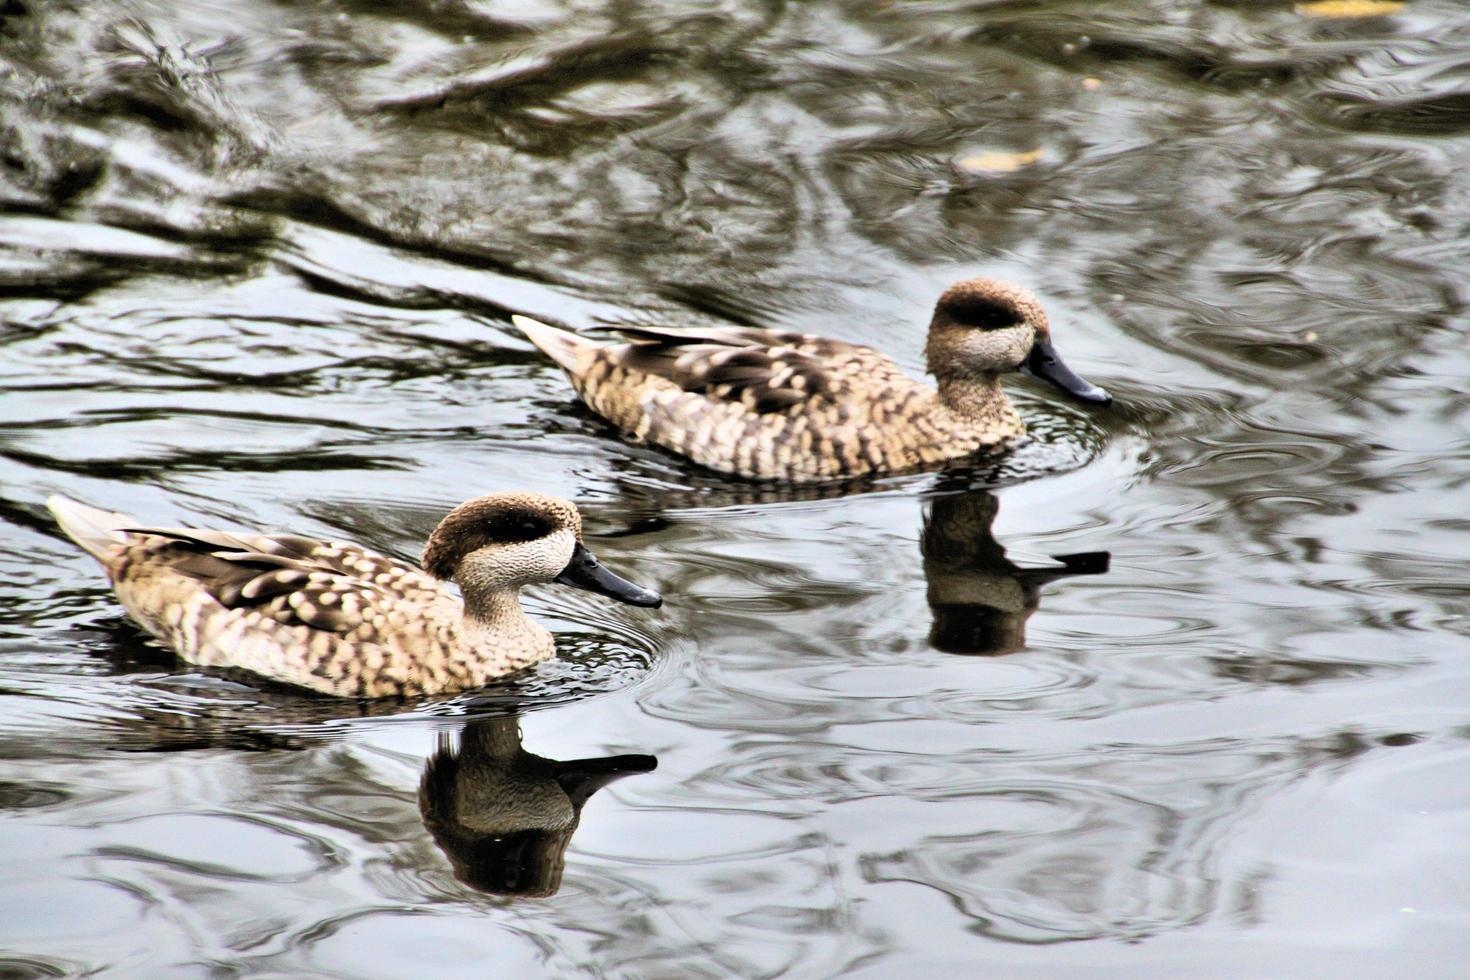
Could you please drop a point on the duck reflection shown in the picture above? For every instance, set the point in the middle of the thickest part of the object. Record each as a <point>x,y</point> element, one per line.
<point>980,599</point>
<point>504,816</point>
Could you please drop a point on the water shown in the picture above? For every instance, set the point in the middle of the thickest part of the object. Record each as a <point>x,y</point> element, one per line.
<point>257,262</point>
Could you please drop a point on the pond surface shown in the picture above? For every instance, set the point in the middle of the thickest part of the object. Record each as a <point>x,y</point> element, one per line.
<point>257,263</point>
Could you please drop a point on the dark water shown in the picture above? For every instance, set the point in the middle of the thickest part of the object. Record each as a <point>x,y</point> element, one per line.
<point>257,262</point>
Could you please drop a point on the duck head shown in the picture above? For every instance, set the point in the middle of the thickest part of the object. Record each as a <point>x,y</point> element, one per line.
<point>503,541</point>
<point>984,327</point>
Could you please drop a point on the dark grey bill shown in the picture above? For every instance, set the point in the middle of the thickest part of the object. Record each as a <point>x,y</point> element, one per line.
<point>585,572</point>
<point>1043,362</point>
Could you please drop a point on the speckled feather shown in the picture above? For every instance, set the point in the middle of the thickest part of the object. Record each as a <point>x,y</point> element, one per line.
<point>790,406</point>
<point>333,617</point>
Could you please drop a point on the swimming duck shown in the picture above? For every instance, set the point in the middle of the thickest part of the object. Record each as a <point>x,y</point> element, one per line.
<point>342,620</point>
<point>764,404</point>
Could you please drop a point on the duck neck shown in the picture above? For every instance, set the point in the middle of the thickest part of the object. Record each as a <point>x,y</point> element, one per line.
<point>493,608</point>
<point>497,632</point>
<point>977,399</point>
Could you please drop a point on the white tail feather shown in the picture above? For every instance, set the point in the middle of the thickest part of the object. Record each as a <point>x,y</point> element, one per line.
<point>95,530</point>
<point>560,345</point>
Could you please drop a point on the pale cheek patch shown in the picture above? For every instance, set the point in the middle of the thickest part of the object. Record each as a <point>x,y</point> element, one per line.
<point>508,565</point>
<point>552,554</point>
<point>997,349</point>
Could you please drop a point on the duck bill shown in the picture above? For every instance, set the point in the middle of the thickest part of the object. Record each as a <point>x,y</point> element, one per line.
<point>584,571</point>
<point>1044,363</point>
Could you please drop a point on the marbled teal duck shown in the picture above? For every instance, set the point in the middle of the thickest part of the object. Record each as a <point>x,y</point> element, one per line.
<point>764,404</point>
<point>342,620</point>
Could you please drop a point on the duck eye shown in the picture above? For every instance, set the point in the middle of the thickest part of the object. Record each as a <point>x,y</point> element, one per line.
<point>516,528</point>
<point>984,314</point>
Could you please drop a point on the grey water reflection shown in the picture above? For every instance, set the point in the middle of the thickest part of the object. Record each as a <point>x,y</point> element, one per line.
<point>504,816</point>
<point>257,261</point>
<point>979,598</point>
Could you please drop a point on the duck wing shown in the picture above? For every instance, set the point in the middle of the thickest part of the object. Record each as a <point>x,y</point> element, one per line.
<point>725,336</point>
<point>764,370</point>
<point>294,580</point>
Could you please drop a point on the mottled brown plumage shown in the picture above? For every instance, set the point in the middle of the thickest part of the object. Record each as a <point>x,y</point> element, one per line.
<point>790,406</point>
<point>337,618</point>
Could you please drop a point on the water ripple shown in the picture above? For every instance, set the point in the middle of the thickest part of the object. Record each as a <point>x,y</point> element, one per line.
<point>257,266</point>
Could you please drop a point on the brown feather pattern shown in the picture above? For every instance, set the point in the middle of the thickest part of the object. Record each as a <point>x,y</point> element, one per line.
<point>781,405</point>
<point>764,379</point>
<point>337,618</point>
<point>294,580</point>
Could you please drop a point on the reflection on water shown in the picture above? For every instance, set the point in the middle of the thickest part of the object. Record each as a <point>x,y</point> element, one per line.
<point>504,816</point>
<point>257,262</point>
<point>980,599</point>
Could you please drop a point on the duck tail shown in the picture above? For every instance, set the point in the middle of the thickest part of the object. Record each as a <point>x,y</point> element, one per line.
<point>562,346</point>
<point>95,530</point>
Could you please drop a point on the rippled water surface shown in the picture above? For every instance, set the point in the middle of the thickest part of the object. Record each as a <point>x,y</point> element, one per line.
<point>257,263</point>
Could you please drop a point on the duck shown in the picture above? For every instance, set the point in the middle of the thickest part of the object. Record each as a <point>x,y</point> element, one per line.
<point>775,405</point>
<point>338,619</point>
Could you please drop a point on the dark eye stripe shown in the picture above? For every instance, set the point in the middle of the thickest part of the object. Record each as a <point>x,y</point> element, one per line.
<point>983,314</point>
<point>511,527</point>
